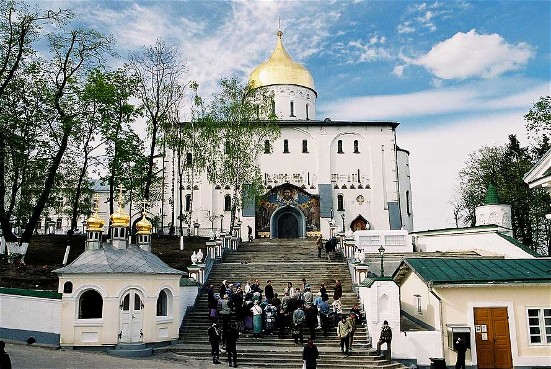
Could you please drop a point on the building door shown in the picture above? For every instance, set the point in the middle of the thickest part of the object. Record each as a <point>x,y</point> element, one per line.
<point>131,317</point>
<point>493,344</point>
<point>287,226</point>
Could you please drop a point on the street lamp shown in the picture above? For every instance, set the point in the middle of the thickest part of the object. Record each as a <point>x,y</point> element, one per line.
<point>382,253</point>
<point>343,216</point>
<point>221,222</point>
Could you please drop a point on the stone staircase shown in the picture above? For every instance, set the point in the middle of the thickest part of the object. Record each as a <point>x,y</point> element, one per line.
<point>281,261</point>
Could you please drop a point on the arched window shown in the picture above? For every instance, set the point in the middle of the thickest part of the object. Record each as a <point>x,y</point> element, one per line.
<point>188,202</point>
<point>286,146</point>
<point>356,147</point>
<point>408,208</point>
<point>189,158</point>
<point>267,147</point>
<point>340,202</point>
<point>90,305</point>
<point>68,287</point>
<point>304,145</point>
<point>339,147</point>
<point>227,203</point>
<point>162,304</point>
<point>59,223</point>
<point>307,112</point>
<point>292,108</point>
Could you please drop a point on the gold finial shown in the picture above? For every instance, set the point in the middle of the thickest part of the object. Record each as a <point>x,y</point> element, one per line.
<point>279,33</point>
<point>95,223</point>
<point>144,205</point>
<point>96,203</point>
<point>121,189</point>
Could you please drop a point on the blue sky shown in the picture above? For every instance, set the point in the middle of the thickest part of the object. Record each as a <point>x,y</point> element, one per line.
<point>457,75</point>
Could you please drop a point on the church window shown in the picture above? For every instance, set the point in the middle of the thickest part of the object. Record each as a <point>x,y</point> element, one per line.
<point>189,158</point>
<point>307,112</point>
<point>408,206</point>
<point>188,202</point>
<point>90,305</point>
<point>292,108</point>
<point>267,147</point>
<point>418,304</point>
<point>286,146</point>
<point>137,302</point>
<point>340,202</point>
<point>162,304</point>
<point>116,232</point>
<point>356,147</point>
<point>59,223</point>
<point>339,147</point>
<point>68,287</point>
<point>227,203</point>
<point>305,146</point>
<point>539,325</point>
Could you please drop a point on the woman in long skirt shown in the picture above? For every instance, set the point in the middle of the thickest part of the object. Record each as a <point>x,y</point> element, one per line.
<point>257,319</point>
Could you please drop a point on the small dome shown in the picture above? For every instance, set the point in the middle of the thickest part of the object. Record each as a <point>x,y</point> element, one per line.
<point>281,69</point>
<point>120,218</point>
<point>95,223</point>
<point>143,226</point>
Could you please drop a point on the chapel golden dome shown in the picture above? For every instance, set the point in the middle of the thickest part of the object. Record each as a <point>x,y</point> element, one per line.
<point>281,69</point>
<point>95,223</point>
<point>120,218</point>
<point>144,226</point>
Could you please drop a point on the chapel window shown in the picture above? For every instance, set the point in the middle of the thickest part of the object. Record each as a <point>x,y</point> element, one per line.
<point>59,223</point>
<point>227,203</point>
<point>307,112</point>
<point>418,304</point>
<point>162,304</point>
<point>286,146</point>
<point>90,305</point>
<point>292,108</point>
<point>356,147</point>
<point>188,202</point>
<point>340,202</point>
<point>539,325</point>
<point>339,147</point>
<point>305,146</point>
<point>267,147</point>
<point>408,207</point>
<point>68,287</point>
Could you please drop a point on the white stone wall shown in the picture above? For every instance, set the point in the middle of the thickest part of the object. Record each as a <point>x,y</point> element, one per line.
<point>484,240</point>
<point>30,313</point>
<point>300,96</point>
<point>404,183</point>
<point>499,215</point>
<point>188,295</point>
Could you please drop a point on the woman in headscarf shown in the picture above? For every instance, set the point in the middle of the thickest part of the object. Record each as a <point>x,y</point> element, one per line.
<point>257,319</point>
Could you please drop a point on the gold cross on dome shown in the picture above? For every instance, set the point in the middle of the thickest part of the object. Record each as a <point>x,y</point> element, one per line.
<point>144,205</point>
<point>121,189</point>
<point>96,202</point>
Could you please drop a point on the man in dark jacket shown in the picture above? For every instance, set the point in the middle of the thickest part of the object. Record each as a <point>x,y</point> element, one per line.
<point>385,337</point>
<point>269,290</point>
<point>310,354</point>
<point>337,294</point>
<point>214,339</point>
<point>5,361</point>
<point>461,348</point>
<point>231,345</point>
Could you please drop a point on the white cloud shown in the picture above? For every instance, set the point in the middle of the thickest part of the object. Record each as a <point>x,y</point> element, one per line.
<point>360,51</point>
<point>405,27</point>
<point>398,70</point>
<point>469,98</point>
<point>470,54</point>
<point>437,155</point>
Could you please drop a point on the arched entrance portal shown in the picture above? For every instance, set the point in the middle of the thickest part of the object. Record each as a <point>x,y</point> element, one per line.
<point>288,222</point>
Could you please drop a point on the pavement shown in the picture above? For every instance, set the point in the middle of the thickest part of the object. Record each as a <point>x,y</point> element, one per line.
<point>34,357</point>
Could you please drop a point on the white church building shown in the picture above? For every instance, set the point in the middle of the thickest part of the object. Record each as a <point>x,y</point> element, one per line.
<point>317,171</point>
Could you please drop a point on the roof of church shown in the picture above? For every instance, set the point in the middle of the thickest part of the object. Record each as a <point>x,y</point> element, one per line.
<point>491,196</point>
<point>108,259</point>
<point>439,271</point>
<point>328,122</point>
<point>281,69</point>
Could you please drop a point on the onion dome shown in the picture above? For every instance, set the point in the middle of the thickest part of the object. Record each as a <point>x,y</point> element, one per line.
<point>281,69</point>
<point>143,226</point>
<point>120,218</point>
<point>95,223</point>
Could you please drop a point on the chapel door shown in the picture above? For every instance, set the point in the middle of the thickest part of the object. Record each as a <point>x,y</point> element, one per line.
<point>131,317</point>
<point>287,226</point>
<point>493,344</point>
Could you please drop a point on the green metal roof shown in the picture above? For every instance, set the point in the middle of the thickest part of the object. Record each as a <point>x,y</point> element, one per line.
<point>480,271</point>
<point>368,282</point>
<point>31,293</point>
<point>491,196</point>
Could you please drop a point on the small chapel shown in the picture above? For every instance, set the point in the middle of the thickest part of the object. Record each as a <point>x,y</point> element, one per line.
<point>115,292</point>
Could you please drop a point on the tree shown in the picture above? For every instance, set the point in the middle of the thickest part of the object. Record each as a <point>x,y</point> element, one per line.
<point>240,119</point>
<point>504,167</point>
<point>159,71</point>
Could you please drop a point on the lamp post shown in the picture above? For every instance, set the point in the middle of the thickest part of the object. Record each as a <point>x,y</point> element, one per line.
<point>343,215</point>
<point>221,222</point>
<point>382,253</point>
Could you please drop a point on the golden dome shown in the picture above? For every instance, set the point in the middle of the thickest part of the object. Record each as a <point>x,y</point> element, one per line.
<point>120,218</point>
<point>143,226</point>
<point>95,223</point>
<point>280,69</point>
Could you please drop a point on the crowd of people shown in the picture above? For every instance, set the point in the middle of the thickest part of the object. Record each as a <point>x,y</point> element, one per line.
<point>249,308</point>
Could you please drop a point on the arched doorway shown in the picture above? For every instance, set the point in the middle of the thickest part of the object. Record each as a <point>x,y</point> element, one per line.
<point>131,307</point>
<point>288,222</point>
<point>359,224</point>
